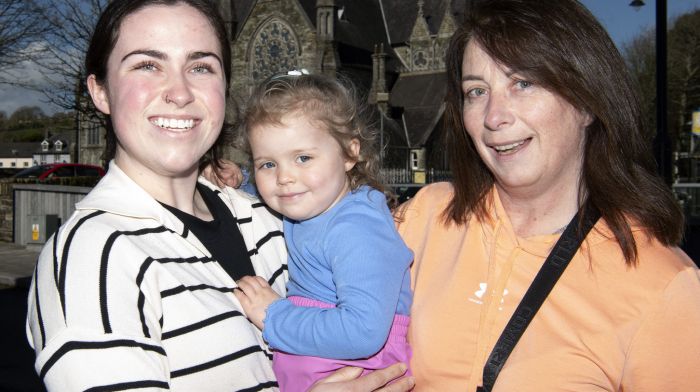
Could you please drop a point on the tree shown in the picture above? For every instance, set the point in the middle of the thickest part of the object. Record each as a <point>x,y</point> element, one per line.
<point>26,117</point>
<point>70,27</point>
<point>640,56</point>
<point>27,114</point>
<point>19,28</point>
<point>683,67</point>
<point>683,76</point>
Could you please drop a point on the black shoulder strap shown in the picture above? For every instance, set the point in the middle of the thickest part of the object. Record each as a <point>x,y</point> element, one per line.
<point>544,282</point>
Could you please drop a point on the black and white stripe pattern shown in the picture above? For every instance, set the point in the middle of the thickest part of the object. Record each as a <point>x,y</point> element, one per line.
<point>124,298</point>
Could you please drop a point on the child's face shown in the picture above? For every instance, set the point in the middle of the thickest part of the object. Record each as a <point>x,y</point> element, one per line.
<point>300,169</point>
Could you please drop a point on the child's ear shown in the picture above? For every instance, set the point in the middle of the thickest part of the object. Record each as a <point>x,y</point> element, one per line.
<point>99,94</point>
<point>354,147</point>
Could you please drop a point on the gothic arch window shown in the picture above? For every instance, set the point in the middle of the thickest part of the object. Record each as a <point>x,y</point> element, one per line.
<point>274,49</point>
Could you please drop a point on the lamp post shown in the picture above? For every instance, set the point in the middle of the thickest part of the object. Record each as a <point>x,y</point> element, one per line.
<point>636,4</point>
<point>662,146</point>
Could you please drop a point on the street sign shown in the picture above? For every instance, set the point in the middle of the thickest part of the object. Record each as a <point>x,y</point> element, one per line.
<point>696,123</point>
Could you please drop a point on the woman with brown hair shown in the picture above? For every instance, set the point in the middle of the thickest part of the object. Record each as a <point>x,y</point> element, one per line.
<point>546,138</point>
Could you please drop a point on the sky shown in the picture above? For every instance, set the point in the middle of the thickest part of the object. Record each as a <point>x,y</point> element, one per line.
<point>622,22</point>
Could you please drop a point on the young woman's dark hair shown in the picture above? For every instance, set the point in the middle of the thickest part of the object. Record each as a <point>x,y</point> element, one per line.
<point>561,46</point>
<point>105,36</point>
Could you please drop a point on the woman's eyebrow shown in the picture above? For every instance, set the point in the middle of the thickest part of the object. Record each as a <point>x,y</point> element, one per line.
<point>147,52</point>
<point>162,56</point>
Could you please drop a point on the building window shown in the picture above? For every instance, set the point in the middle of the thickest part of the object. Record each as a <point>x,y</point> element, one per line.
<point>26,164</point>
<point>414,160</point>
<point>418,159</point>
<point>274,49</point>
<point>45,146</point>
<point>93,134</point>
<point>1,164</point>
<point>13,164</point>
<point>58,145</point>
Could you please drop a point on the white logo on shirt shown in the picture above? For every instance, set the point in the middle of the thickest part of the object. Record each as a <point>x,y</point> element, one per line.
<point>478,295</point>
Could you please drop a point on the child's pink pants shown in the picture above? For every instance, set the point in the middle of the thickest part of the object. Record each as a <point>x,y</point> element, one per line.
<point>297,373</point>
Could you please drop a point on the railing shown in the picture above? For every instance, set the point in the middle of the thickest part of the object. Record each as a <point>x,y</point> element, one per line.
<point>404,177</point>
<point>688,194</point>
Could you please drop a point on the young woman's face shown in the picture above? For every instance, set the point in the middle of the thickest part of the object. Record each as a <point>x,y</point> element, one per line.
<point>300,169</point>
<point>165,91</point>
<point>530,139</point>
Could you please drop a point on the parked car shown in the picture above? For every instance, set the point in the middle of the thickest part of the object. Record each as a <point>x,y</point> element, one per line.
<point>58,170</point>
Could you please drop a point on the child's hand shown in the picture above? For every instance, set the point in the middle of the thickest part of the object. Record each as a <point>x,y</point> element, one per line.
<point>255,295</point>
<point>229,174</point>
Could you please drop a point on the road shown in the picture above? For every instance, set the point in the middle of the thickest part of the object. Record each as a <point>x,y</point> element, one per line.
<point>17,359</point>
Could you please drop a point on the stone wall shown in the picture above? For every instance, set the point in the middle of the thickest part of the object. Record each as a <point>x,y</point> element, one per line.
<point>6,210</point>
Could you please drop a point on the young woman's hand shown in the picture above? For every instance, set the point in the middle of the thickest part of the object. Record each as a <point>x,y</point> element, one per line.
<point>228,174</point>
<point>348,379</point>
<point>255,295</point>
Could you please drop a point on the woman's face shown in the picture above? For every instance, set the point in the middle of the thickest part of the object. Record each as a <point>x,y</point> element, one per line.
<point>530,139</point>
<point>165,91</point>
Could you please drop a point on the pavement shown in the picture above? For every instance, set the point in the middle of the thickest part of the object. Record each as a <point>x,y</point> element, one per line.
<point>16,356</point>
<point>17,263</point>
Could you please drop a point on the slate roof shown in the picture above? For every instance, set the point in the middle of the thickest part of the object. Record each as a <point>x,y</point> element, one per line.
<point>421,97</point>
<point>401,16</point>
<point>241,9</point>
<point>17,150</point>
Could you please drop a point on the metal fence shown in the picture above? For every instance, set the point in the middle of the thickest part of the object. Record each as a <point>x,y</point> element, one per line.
<point>688,194</point>
<point>39,209</point>
<point>395,176</point>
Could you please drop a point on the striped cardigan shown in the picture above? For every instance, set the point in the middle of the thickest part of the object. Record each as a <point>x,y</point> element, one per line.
<point>125,297</point>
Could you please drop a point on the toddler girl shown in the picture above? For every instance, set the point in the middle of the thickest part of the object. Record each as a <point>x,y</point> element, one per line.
<point>348,295</point>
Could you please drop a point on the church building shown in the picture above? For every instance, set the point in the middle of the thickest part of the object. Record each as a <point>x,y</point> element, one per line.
<point>393,51</point>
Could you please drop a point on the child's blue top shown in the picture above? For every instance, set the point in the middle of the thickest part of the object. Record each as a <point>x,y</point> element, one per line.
<point>353,257</point>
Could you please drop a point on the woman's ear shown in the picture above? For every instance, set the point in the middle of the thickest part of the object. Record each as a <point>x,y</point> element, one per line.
<point>354,147</point>
<point>99,95</point>
<point>587,118</point>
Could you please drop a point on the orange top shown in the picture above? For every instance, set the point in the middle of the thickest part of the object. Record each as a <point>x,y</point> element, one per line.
<point>604,327</point>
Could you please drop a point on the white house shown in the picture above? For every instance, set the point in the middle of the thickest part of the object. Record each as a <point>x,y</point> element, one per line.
<point>16,155</point>
<point>53,150</point>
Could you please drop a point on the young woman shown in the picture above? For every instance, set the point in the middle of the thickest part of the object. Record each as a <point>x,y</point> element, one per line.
<point>135,290</point>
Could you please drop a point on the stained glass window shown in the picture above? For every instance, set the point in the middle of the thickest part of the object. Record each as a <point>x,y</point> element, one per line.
<point>275,49</point>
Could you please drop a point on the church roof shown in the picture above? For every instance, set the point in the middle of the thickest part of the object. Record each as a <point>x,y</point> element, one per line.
<point>368,20</point>
<point>416,94</point>
<point>241,10</point>
<point>361,24</point>
<point>400,16</point>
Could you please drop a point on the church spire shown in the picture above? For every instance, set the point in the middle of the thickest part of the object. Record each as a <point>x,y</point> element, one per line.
<point>420,28</point>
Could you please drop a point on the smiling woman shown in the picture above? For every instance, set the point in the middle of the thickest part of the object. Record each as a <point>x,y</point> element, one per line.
<point>136,288</point>
<point>165,100</point>
<point>545,139</point>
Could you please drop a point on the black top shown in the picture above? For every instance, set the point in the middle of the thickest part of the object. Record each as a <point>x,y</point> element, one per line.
<point>220,236</point>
